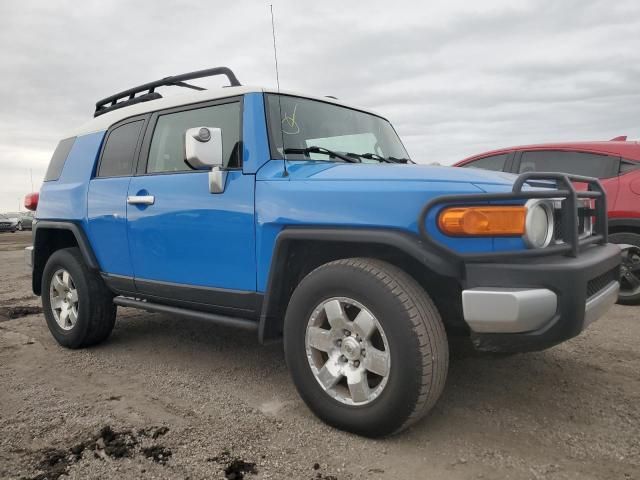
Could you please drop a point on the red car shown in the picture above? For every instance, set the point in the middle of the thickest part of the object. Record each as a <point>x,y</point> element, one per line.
<point>615,162</point>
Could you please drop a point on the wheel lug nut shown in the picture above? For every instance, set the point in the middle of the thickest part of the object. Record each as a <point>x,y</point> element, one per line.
<point>356,363</point>
<point>347,333</point>
<point>363,352</point>
<point>339,342</point>
<point>343,358</point>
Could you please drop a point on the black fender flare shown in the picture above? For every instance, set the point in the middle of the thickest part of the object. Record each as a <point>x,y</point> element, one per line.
<point>41,249</point>
<point>409,243</point>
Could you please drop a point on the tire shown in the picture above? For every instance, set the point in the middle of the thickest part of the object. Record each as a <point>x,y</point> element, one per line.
<point>629,294</point>
<point>408,330</point>
<point>91,313</point>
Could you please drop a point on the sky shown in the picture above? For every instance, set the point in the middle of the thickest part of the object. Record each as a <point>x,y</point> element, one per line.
<point>456,78</point>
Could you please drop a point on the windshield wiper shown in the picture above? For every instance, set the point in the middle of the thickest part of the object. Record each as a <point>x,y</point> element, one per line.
<point>400,160</point>
<point>384,159</point>
<point>375,156</point>
<point>322,150</point>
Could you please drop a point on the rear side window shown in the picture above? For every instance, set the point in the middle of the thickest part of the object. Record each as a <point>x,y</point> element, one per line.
<point>59,157</point>
<point>576,163</point>
<point>628,166</point>
<point>494,162</point>
<point>166,153</point>
<point>119,150</point>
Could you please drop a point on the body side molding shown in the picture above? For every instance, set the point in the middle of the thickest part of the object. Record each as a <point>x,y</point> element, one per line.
<point>235,303</point>
<point>188,313</point>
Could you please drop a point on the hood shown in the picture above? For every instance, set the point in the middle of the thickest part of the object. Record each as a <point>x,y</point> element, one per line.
<point>390,172</point>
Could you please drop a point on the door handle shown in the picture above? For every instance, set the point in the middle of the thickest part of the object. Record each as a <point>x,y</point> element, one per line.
<point>141,199</point>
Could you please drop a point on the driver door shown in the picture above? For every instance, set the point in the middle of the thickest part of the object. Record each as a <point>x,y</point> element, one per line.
<point>189,246</point>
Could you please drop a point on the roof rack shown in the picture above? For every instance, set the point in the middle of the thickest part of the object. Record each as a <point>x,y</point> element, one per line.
<point>128,97</point>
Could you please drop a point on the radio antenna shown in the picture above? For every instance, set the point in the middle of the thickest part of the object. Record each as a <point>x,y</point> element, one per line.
<point>275,57</point>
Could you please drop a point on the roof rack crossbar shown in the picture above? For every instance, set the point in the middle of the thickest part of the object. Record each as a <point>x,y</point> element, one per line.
<point>128,97</point>
<point>188,85</point>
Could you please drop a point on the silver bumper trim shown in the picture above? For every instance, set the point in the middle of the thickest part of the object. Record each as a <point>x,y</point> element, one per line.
<point>598,304</point>
<point>508,310</point>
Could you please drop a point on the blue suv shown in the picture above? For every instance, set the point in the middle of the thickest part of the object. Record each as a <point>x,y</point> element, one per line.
<point>304,219</point>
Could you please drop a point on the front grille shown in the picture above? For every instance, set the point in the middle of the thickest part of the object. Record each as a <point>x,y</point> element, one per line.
<point>596,284</point>
<point>585,222</point>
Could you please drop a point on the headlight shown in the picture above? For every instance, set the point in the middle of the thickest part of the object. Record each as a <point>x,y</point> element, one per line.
<point>538,224</point>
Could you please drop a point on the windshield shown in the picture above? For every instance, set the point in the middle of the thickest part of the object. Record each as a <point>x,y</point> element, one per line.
<point>306,123</point>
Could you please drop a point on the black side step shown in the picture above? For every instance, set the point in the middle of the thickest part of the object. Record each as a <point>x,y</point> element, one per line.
<point>184,312</point>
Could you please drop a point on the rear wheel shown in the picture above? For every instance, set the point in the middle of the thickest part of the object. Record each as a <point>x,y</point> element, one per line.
<point>78,307</point>
<point>630,268</point>
<point>365,346</point>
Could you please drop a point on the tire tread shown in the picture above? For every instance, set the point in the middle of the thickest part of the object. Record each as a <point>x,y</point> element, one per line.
<point>629,238</point>
<point>426,324</point>
<point>102,312</point>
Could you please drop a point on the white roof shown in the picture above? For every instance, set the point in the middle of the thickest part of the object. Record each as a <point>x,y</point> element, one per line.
<point>104,121</point>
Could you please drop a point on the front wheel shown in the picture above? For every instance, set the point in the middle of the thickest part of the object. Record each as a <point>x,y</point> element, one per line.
<point>630,268</point>
<point>365,346</point>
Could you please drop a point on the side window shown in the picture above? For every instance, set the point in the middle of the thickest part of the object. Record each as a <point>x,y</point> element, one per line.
<point>628,166</point>
<point>59,157</point>
<point>494,162</point>
<point>577,163</point>
<point>166,153</point>
<point>119,152</point>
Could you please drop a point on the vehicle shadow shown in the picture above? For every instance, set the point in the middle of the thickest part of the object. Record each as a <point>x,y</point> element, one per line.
<point>489,390</point>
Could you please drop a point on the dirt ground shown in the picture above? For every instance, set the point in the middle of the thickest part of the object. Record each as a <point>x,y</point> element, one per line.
<point>169,398</point>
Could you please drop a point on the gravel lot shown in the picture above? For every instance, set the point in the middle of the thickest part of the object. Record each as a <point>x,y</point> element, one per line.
<point>169,398</point>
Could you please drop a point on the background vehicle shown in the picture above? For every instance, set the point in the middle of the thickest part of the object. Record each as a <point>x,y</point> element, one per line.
<point>253,208</point>
<point>8,223</point>
<point>615,162</point>
<point>24,220</point>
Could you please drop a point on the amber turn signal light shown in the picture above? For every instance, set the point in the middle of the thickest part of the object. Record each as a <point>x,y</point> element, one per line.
<point>486,220</point>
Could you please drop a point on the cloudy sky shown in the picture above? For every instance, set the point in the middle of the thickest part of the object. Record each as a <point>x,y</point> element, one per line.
<point>455,77</point>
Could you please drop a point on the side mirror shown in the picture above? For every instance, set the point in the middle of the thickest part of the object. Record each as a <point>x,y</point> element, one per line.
<point>203,151</point>
<point>203,148</point>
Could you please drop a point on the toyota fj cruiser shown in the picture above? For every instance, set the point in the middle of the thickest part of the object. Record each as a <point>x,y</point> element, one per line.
<point>303,218</point>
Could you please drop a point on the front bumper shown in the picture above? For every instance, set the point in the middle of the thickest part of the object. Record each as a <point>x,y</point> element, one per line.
<point>7,227</point>
<point>548,299</point>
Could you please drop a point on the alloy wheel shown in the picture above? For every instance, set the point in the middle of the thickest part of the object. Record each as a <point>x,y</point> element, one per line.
<point>64,299</point>
<point>630,272</point>
<point>347,351</point>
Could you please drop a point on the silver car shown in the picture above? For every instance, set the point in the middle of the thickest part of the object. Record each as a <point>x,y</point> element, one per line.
<point>25,220</point>
<point>8,223</point>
